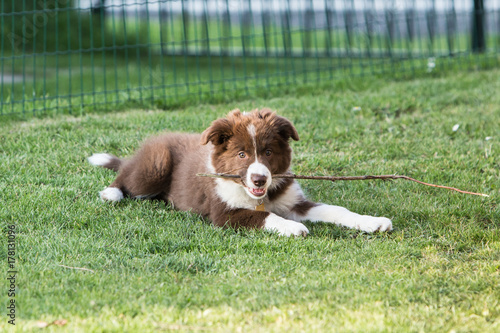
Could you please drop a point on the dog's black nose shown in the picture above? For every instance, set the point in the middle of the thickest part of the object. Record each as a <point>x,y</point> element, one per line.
<point>258,180</point>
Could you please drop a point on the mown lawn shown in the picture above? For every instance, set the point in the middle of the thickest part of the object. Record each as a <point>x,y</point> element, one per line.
<point>156,269</point>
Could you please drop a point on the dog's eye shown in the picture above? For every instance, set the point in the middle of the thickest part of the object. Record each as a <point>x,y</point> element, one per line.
<point>268,152</point>
<point>242,154</point>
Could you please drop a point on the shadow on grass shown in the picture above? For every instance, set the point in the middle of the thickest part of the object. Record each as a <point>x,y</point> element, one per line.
<point>334,232</point>
<point>194,229</point>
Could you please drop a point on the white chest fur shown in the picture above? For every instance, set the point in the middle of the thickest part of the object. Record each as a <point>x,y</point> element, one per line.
<point>235,196</point>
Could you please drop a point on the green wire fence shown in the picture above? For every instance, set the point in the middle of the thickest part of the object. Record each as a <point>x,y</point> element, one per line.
<point>68,56</point>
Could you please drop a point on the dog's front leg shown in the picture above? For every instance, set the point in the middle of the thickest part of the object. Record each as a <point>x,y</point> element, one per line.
<point>344,217</point>
<point>246,218</point>
<point>284,227</point>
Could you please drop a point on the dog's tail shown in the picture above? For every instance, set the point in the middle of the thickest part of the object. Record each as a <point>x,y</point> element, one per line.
<point>107,161</point>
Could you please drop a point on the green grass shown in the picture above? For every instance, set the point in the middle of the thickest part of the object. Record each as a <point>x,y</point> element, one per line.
<point>157,269</point>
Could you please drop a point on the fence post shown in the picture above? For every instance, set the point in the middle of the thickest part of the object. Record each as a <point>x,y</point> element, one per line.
<point>287,34</point>
<point>478,40</point>
<point>163,17</point>
<point>226,30</point>
<point>349,24</point>
<point>451,27</point>
<point>390,21</point>
<point>204,30</point>
<point>245,25</point>
<point>431,26</point>
<point>185,28</point>
<point>370,24</point>
<point>410,27</point>
<point>329,26</point>
<point>266,19</point>
<point>308,23</point>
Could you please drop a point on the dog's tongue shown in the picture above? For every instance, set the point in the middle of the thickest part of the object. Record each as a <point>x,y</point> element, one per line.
<point>258,191</point>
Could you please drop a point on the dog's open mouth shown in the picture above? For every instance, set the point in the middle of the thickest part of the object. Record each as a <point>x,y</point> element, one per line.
<point>257,192</point>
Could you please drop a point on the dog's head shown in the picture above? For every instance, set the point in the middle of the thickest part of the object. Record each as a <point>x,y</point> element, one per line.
<point>252,145</point>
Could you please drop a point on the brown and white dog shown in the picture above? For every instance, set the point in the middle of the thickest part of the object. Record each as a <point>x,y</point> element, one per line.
<point>253,145</point>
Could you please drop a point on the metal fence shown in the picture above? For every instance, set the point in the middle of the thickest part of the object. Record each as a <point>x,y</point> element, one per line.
<point>68,56</point>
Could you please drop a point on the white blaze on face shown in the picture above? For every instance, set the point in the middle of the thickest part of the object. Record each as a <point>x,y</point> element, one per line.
<point>253,133</point>
<point>256,169</point>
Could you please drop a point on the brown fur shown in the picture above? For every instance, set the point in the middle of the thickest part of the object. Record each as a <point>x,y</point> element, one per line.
<point>254,146</point>
<point>165,167</point>
<point>272,132</point>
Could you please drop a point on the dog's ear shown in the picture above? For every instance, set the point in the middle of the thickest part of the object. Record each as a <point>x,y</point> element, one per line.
<point>218,133</point>
<point>286,129</point>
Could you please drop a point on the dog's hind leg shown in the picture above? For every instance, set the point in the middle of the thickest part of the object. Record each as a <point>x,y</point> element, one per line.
<point>145,175</point>
<point>108,161</point>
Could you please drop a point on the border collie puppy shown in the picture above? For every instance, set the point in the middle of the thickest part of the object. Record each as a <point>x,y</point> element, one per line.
<point>252,145</point>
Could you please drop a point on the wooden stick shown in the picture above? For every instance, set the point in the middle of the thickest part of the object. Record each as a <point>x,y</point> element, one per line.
<point>336,178</point>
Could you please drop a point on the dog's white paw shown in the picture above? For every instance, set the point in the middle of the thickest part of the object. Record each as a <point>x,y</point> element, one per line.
<point>372,224</point>
<point>113,194</point>
<point>284,227</point>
